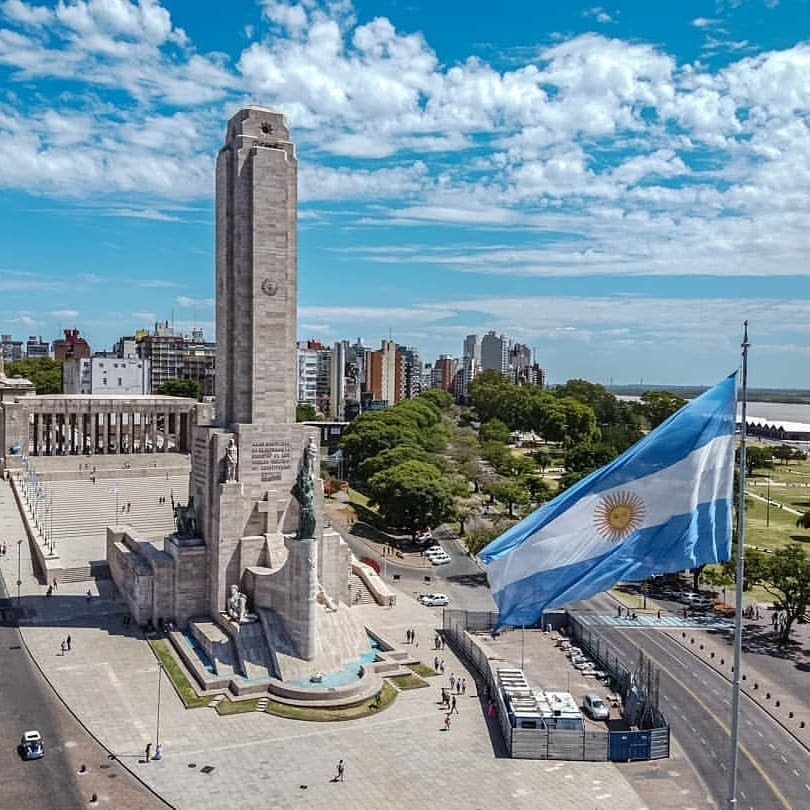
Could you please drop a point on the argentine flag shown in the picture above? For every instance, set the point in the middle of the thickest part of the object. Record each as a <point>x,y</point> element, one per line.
<point>663,505</point>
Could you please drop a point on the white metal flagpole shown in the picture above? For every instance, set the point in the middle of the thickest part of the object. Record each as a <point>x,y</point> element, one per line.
<point>735,690</point>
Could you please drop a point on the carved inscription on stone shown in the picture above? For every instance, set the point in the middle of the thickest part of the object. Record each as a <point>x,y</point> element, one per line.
<point>270,459</point>
<point>198,466</point>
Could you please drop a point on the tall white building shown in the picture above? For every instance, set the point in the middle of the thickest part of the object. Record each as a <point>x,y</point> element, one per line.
<point>106,374</point>
<point>337,382</point>
<point>495,353</point>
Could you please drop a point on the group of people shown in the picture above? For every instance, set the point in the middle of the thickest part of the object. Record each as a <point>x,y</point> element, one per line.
<point>65,645</point>
<point>410,636</point>
<point>438,642</point>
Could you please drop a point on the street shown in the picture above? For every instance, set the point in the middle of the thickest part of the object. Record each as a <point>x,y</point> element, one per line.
<point>55,781</point>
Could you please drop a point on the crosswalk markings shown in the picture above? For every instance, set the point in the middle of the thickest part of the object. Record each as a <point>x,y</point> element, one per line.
<point>647,621</point>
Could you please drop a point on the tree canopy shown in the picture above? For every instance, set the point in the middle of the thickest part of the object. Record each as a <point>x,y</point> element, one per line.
<point>412,495</point>
<point>44,372</point>
<point>658,406</point>
<point>180,388</point>
<point>305,412</point>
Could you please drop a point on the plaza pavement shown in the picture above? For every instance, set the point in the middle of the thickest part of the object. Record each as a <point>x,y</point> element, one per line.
<point>397,759</point>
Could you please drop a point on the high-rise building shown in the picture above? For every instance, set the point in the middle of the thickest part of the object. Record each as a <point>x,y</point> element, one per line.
<point>412,372</point>
<point>11,349</point>
<point>495,353</point>
<point>337,381</point>
<point>37,347</point>
<point>472,348</point>
<point>312,374</point>
<point>384,374</point>
<point>444,372</point>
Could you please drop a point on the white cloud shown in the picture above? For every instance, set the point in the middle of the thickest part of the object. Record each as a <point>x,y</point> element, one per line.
<point>26,14</point>
<point>185,301</point>
<point>144,316</point>
<point>65,313</point>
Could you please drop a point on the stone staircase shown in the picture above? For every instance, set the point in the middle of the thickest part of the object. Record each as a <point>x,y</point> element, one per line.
<point>83,510</point>
<point>359,592</point>
<point>86,573</point>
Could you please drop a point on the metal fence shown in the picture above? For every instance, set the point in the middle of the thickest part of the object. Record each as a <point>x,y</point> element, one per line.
<point>639,690</point>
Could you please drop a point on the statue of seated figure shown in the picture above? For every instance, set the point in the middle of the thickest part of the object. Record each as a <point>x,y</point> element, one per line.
<point>237,604</point>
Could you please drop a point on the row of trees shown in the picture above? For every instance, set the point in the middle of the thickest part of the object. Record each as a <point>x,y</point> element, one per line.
<point>395,454</point>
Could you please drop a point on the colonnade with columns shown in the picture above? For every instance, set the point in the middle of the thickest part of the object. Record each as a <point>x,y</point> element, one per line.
<point>83,425</point>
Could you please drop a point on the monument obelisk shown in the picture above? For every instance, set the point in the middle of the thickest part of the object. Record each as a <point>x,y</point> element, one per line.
<point>245,460</point>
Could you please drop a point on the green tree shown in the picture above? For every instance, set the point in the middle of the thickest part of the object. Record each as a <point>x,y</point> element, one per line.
<point>586,457</point>
<point>480,537</point>
<point>495,431</point>
<point>788,580</point>
<point>368,435</point>
<point>304,412</point>
<point>394,456</point>
<point>439,398</point>
<point>658,406</point>
<point>44,373</point>
<point>511,493</point>
<point>756,458</point>
<point>543,459</point>
<point>180,388</point>
<point>412,495</point>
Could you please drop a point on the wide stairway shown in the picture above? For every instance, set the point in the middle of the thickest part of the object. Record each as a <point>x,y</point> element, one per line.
<point>359,592</point>
<point>79,510</point>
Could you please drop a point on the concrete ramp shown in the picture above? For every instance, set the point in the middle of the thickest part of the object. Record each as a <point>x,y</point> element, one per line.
<point>340,637</point>
<point>254,654</point>
<point>216,644</point>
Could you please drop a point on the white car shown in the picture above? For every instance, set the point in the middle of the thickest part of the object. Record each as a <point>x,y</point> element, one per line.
<point>440,559</point>
<point>434,550</point>
<point>434,599</point>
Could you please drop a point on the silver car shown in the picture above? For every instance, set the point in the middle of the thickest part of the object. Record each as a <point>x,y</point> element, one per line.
<point>595,707</point>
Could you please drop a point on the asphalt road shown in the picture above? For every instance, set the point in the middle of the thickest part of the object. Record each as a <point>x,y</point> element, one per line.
<point>773,767</point>
<point>28,702</point>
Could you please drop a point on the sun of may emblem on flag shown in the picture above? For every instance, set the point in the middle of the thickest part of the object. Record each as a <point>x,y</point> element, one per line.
<point>618,514</point>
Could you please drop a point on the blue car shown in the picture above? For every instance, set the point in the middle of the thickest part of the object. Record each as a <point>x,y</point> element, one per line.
<point>31,745</point>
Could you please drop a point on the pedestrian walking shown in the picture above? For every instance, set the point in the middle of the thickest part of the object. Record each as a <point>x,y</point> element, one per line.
<point>436,662</point>
<point>62,647</point>
<point>441,666</point>
<point>55,583</point>
<point>659,615</point>
<point>148,752</point>
<point>67,641</point>
<point>340,770</point>
<point>447,722</point>
<point>89,595</point>
<point>452,681</point>
<point>463,686</point>
<point>49,591</point>
<point>453,707</point>
<point>129,506</point>
<point>444,697</point>
<point>458,686</point>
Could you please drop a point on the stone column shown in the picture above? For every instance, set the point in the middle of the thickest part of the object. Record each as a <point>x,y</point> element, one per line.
<point>118,448</point>
<point>153,424</point>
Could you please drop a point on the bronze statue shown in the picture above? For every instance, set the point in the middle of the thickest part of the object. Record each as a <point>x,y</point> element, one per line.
<point>304,493</point>
<point>185,519</point>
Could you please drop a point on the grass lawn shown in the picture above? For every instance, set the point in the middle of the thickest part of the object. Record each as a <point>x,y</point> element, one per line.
<point>407,681</point>
<point>423,669</point>
<point>182,685</point>
<point>227,706</point>
<point>363,709</point>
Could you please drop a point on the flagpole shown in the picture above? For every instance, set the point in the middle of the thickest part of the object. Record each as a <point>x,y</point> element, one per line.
<point>735,690</point>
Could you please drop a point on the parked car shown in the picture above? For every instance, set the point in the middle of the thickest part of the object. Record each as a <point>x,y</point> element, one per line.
<point>434,550</point>
<point>595,707</point>
<point>434,599</point>
<point>440,559</point>
<point>32,746</point>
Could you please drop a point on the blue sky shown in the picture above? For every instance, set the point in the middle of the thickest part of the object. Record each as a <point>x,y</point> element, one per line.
<point>616,186</point>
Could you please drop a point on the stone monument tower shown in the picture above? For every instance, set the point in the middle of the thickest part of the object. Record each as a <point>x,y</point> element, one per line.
<point>251,551</point>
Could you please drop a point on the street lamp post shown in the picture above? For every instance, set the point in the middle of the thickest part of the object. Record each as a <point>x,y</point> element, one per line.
<point>157,724</point>
<point>19,570</point>
<point>768,508</point>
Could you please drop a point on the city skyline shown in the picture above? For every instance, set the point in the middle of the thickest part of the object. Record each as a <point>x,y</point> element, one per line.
<point>616,187</point>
